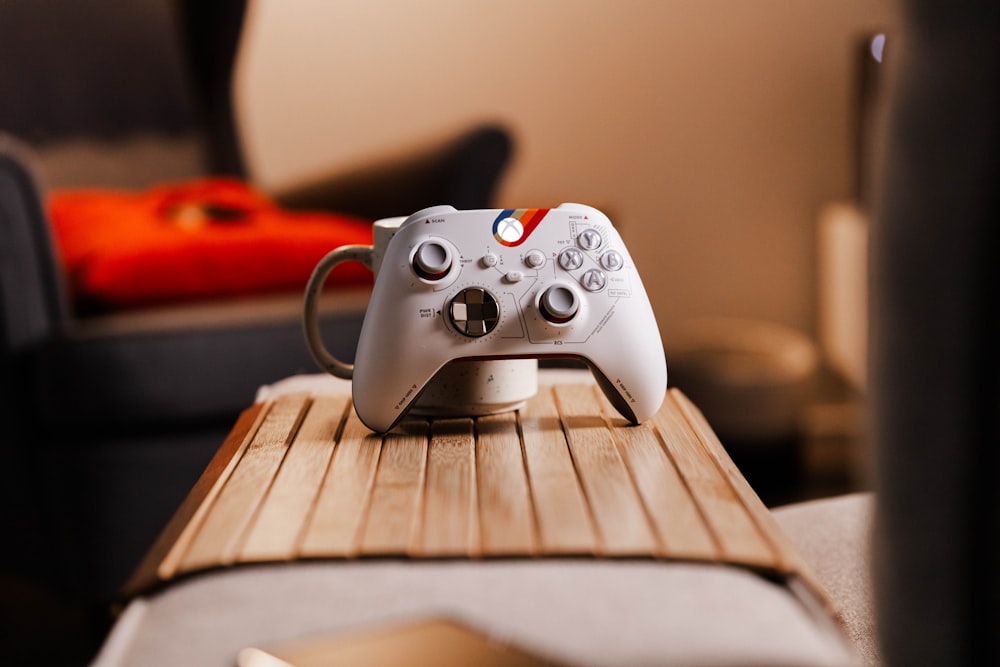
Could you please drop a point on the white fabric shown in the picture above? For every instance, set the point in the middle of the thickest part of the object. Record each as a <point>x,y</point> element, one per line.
<point>580,612</point>
<point>833,536</point>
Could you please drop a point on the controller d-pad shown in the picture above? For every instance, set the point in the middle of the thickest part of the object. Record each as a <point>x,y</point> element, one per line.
<point>474,312</point>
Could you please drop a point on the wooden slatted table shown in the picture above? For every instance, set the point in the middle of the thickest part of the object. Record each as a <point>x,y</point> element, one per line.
<point>300,477</point>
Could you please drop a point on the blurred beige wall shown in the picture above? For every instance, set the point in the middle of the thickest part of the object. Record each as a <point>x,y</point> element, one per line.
<point>711,131</point>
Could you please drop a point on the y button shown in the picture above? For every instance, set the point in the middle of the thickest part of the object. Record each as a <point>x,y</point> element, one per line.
<point>589,239</point>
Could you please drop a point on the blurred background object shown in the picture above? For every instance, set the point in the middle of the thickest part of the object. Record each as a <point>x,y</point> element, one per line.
<point>109,417</point>
<point>713,133</point>
<point>753,381</point>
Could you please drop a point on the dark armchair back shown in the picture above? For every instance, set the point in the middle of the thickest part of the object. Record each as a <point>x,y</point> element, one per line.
<point>100,70</point>
<point>32,303</point>
<point>109,69</point>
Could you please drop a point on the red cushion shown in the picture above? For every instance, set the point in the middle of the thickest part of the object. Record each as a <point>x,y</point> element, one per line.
<point>204,239</point>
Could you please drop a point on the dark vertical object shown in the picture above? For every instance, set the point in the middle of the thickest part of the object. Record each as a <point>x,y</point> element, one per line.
<point>935,337</point>
<point>870,93</point>
<point>212,31</point>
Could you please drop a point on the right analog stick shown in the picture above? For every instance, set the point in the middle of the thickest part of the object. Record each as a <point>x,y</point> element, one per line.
<point>559,304</point>
<point>432,260</point>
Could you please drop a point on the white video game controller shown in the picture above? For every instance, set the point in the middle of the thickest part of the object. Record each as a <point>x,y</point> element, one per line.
<point>499,284</point>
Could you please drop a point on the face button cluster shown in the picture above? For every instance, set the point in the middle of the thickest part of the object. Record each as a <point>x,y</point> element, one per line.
<point>572,258</point>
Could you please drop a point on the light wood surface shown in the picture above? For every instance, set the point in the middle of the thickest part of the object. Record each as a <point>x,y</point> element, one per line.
<point>343,497</point>
<point>564,522</point>
<point>505,512</point>
<point>301,477</point>
<point>451,520</point>
<point>275,531</point>
<point>218,540</point>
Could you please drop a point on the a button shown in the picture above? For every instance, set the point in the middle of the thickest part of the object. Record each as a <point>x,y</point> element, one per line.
<point>558,304</point>
<point>432,260</point>
<point>594,280</point>
<point>589,239</point>
<point>489,260</point>
<point>570,259</point>
<point>612,260</point>
<point>534,259</point>
<point>513,276</point>
<point>474,312</point>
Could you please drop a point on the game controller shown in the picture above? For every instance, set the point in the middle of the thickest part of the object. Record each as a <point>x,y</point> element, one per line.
<point>502,284</point>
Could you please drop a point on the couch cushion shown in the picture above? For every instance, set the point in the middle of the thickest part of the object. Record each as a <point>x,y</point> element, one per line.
<point>177,242</point>
<point>174,366</point>
<point>833,537</point>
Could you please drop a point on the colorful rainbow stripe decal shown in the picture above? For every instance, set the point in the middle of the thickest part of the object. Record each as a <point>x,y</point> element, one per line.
<point>513,226</point>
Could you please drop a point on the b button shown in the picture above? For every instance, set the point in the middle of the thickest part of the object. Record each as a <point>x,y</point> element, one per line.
<point>612,260</point>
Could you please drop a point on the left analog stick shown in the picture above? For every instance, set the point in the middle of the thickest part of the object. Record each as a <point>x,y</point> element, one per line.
<point>432,260</point>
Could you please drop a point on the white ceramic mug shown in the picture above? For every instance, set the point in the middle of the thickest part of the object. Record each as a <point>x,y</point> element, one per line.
<point>460,388</point>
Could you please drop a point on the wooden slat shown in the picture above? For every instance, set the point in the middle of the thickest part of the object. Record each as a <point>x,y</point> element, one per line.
<point>450,524</point>
<point>677,522</point>
<point>564,522</point>
<point>395,511</point>
<point>343,498</point>
<point>614,502</point>
<point>787,556</point>
<point>160,563</point>
<point>506,523</point>
<point>218,538</point>
<point>679,526</point>
<point>283,513</point>
<point>739,539</point>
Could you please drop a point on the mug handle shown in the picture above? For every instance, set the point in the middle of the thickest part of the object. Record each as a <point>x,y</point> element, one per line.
<point>362,254</point>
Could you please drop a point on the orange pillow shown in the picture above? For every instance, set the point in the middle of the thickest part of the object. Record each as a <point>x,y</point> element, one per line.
<point>188,241</point>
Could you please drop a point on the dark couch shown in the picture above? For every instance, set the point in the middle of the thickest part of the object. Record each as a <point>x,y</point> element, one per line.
<point>108,419</point>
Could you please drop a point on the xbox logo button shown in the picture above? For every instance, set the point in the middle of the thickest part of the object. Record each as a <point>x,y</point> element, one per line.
<point>513,226</point>
<point>509,230</point>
